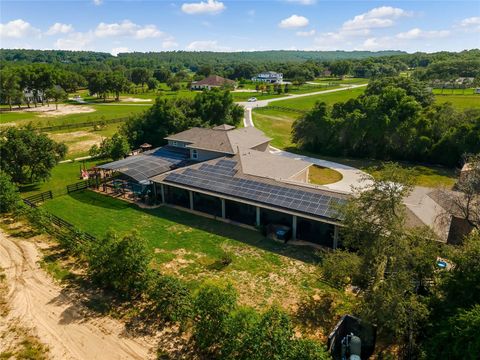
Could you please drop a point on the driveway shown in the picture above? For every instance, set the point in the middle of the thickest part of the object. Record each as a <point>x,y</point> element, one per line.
<point>351,176</point>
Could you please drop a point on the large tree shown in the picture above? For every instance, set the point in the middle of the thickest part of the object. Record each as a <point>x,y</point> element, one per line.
<point>27,155</point>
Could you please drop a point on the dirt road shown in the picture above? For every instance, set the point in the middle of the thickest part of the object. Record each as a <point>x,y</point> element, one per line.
<point>58,321</point>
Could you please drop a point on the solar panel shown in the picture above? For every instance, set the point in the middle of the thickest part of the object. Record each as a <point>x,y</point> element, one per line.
<point>217,179</point>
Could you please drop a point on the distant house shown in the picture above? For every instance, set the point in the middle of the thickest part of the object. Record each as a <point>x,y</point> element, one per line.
<point>465,80</point>
<point>477,91</point>
<point>213,81</point>
<point>269,77</point>
<point>326,73</point>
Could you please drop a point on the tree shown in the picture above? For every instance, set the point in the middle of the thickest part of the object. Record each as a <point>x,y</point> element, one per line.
<point>395,263</point>
<point>116,82</point>
<point>216,107</point>
<point>10,91</point>
<point>28,156</point>
<point>162,74</point>
<point>340,267</point>
<point>140,76</point>
<point>115,148</point>
<point>152,84</point>
<point>341,68</point>
<point>120,264</point>
<point>57,94</point>
<point>9,196</point>
<point>212,306</point>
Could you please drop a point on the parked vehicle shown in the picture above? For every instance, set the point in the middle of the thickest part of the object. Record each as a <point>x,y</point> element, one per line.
<point>252,99</point>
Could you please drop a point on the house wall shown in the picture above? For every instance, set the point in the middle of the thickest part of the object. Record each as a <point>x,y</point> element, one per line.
<point>262,147</point>
<point>301,176</point>
<point>177,143</point>
<point>204,155</point>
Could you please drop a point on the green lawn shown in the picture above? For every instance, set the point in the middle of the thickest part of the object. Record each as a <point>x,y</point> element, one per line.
<point>190,246</point>
<point>460,101</point>
<point>307,102</point>
<point>102,112</point>
<point>322,176</point>
<point>61,176</point>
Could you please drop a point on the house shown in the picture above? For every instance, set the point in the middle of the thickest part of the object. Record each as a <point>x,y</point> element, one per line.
<point>326,73</point>
<point>229,174</point>
<point>269,77</point>
<point>213,81</point>
<point>437,210</point>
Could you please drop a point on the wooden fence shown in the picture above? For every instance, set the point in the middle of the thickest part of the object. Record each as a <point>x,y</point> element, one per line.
<point>62,225</point>
<point>81,185</point>
<point>80,125</point>
<point>39,198</point>
<point>282,108</point>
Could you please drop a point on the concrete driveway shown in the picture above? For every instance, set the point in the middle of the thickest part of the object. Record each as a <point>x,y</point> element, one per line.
<point>351,176</point>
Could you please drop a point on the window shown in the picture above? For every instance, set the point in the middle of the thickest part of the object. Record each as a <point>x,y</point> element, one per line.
<point>174,143</point>
<point>194,154</point>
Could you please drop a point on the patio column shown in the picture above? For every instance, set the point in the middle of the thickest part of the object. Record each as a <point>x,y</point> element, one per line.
<point>335,236</point>
<point>257,219</point>
<point>294,227</point>
<point>190,195</point>
<point>154,185</point>
<point>162,193</point>
<point>223,208</point>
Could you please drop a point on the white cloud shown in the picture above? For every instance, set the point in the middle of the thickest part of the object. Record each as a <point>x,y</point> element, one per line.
<point>294,21</point>
<point>169,44</point>
<point>128,28</point>
<point>471,23</point>
<point>118,50</point>
<point>206,45</point>
<point>17,29</point>
<point>74,41</point>
<point>417,33</point>
<point>209,7</point>
<point>97,2</point>
<point>306,33</point>
<point>380,17</point>
<point>303,2</point>
<point>59,28</point>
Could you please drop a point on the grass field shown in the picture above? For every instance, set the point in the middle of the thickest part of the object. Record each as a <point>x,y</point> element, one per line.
<point>264,271</point>
<point>61,176</point>
<point>307,102</point>
<point>102,112</point>
<point>460,101</point>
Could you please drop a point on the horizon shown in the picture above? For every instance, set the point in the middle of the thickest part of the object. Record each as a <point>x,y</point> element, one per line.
<point>231,26</point>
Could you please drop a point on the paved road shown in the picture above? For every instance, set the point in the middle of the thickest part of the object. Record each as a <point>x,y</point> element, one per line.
<point>247,121</point>
<point>351,176</point>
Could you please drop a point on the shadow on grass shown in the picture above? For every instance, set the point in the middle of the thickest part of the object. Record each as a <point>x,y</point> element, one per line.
<point>246,236</point>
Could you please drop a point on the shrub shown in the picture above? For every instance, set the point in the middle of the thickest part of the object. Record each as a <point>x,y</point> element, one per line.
<point>307,349</point>
<point>339,267</point>
<point>170,298</point>
<point>9,196</point>
<point>120,264</point>
<point>213,305</point>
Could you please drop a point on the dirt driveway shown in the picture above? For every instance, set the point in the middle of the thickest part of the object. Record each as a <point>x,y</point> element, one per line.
<point>37,302</point>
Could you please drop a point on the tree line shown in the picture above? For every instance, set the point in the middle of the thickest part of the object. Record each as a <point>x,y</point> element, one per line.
<point>395,118</point>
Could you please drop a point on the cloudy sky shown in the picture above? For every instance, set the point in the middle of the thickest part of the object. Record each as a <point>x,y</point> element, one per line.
<point>214,25</point>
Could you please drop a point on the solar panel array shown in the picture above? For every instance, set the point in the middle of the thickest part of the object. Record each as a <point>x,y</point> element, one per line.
<point>152,163</point>
<point>207,178</point>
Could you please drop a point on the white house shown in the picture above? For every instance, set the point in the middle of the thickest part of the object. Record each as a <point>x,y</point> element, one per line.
<point>269,77</point>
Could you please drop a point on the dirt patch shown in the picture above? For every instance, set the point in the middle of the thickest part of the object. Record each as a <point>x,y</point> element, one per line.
<point>60,322</point>
<point>131,99</point>
<point>78,141</point>
<point>63,109</point>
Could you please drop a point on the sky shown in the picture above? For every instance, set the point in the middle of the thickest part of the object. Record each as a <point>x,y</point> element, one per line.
<point>116,26</point>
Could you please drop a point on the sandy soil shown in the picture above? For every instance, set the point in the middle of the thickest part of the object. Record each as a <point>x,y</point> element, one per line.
<point>50,111</point>
<point>60,323</point>
<point>131,99</point>
<point>78,141</point>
